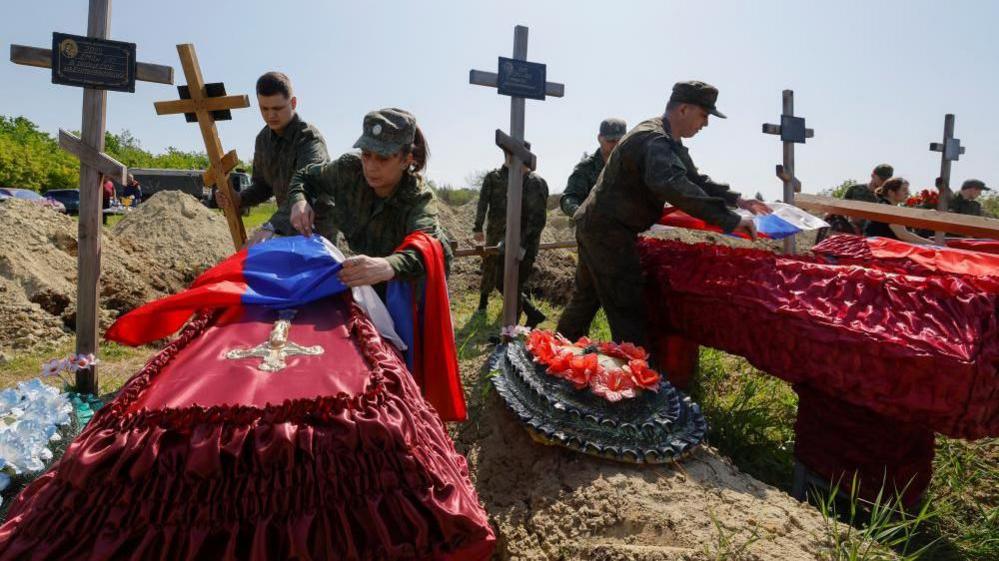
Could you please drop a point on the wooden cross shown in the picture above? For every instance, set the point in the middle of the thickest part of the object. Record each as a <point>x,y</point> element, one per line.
<point>205,107</point>
<point>93,161</point>
<point>792,131</point>
<point>950,150</point>
<point>519,79</point>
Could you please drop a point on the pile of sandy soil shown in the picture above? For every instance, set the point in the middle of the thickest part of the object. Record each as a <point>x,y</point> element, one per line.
<point>549,503</point>
<point>38,264</point>
<point>178,231</point>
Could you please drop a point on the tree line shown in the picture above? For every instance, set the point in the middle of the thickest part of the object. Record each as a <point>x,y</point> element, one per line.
<point>32,159</point>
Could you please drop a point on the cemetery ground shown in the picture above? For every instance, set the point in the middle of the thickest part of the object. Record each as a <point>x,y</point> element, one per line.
<point>582,514</point>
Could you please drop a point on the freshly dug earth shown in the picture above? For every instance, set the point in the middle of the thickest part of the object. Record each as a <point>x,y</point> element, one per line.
<point>549,503</point>
<point>38,264</point>
<point>178,231</point>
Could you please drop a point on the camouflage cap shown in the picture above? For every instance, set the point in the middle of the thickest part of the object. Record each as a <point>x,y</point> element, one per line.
<point>387,131</point>
<point>884,171</point>
<point>613,128</point>
<point>697,93</point>
<point>974,184</point>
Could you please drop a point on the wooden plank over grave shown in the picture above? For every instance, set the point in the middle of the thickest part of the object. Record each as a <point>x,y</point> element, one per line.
<point>919,218</point>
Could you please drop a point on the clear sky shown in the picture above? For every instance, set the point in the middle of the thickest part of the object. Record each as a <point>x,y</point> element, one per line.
<point>874,79</point>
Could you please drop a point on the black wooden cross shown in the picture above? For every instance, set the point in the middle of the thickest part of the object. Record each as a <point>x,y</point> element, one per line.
<point>792,131</point>
<point>520,80</point>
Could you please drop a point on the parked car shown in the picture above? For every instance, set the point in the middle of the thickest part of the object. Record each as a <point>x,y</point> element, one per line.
<point>70,198</point>
<point>33,197</point>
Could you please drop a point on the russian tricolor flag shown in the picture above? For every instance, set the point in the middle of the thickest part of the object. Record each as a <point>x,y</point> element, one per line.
<point>293,271</point>
<point>282,272</point>
<point>786,220</point>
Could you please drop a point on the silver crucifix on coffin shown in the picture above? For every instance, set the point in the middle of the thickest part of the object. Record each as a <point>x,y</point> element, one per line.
<point>277,348</point>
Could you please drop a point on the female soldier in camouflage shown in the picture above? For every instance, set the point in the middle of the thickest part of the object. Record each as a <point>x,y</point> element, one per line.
<point>375,199</point>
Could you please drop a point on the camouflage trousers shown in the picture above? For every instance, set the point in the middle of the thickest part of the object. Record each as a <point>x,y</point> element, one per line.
<point>492,277</point>
<point>608,275</point>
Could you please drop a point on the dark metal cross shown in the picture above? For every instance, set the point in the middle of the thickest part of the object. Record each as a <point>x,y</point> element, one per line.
<point>950,151</point>
<point>89,148</point>
<point>520,80</point>
<point>792,131</point>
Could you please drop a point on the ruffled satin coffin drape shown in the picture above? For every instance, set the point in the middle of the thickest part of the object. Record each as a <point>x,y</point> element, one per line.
<point>365,473</point>
<point>919,348</point>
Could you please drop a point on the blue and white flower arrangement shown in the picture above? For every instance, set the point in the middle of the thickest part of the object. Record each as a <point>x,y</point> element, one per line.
<point>30,417</point>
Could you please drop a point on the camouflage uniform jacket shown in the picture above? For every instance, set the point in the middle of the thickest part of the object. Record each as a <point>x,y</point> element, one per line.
<point>275,158</point>
<point>372,226</point>
<point>533,210</point>
<point>960,205</point>
<point>647,169</point>
<point>582,180</point>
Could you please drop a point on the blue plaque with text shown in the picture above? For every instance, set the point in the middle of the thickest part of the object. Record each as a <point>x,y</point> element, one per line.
<point>520,78</point>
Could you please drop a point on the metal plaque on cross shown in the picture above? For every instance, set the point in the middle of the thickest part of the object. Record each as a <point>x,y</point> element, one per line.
<point>216,89</point>
<point>93,63</point>
<point>521,78</point>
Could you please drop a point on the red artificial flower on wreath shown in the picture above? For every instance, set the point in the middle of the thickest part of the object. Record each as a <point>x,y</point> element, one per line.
<point>643,376</point>
<point>582,369</point>
<point>614,385</point>
<point>580,364</point>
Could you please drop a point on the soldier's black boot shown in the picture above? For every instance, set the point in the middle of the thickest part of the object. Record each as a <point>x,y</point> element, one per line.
<point>534,315</point>
<point>483,302</point>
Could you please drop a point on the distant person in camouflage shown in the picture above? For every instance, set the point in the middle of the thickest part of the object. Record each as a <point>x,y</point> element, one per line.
<point>585,175</point>
<point>860,192</point>
<point>965,201</point>
<point>649,168</point>
<point>285,145</point>
<point>375,199</point>
<point>492,211</point>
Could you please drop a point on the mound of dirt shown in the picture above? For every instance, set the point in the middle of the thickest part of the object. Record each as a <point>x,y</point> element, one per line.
<point>178,231</point>
<point>549,503</point>
<point>38,276</point>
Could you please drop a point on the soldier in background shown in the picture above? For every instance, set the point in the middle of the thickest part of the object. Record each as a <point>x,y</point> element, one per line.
<point>965,201</point>
<point>585,175</point>
<point>649,168</point>
<point>864,192</point>
<point>285,145</point>
<point>491,210</point>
